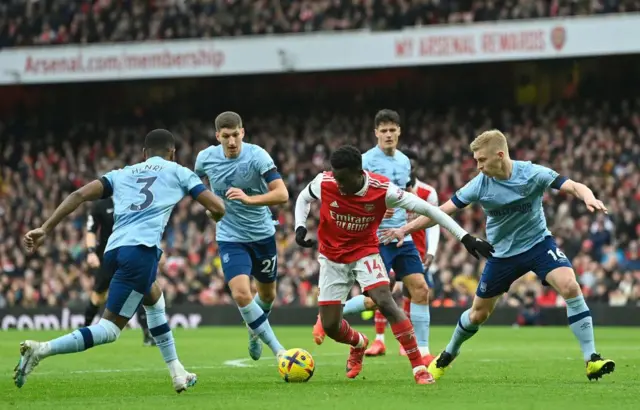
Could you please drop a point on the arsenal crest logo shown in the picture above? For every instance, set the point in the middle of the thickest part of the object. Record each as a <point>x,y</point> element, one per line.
<point>369,207</point>
<point>558,37</point>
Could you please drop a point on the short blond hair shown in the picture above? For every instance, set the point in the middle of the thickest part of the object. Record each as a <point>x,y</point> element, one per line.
<point>490,139</point>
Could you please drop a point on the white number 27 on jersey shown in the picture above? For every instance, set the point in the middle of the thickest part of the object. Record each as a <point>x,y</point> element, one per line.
<point>269,265</point>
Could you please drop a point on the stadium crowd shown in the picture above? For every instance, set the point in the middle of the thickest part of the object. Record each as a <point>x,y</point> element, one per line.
<point>28,22</point>
<point>598,145</point>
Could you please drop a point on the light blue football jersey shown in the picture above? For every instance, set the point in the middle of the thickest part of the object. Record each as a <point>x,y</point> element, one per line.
<point>398,169</point>
<point>241,223</point>
<point>515,216</point>
<point>144,196</point>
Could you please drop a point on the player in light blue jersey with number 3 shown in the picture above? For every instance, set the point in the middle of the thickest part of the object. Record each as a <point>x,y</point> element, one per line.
<point>510,193</point>
<point>246,177</point>
<point>144,196</point>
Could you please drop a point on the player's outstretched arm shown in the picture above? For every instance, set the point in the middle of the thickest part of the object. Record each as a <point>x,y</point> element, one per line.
<point>399,198</point>
<point>213,204</point>
<point>418,224</point>
<point>584,193</point>
<point>425,222</point>
<point>303,205</point>
<point>94,190</point>
<point>546,177</point>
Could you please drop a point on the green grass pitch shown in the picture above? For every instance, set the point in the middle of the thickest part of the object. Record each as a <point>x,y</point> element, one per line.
<point>500,368</point>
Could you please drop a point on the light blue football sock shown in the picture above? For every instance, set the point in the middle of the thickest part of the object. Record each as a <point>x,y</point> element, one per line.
<point>581,324</point>
<point>354,305</point>
<point>160,330</point>
<point>85,338</point>
<point>257,321</point>
<point>464,331</point>
<point>266,307</point>
<point>421,319</point>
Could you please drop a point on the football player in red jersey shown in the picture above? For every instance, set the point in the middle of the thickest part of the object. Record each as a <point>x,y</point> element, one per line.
<point>353,204</point>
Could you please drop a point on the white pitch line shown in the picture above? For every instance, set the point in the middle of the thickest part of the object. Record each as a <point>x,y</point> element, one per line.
<point>238,363</point>
<point>243,362</point>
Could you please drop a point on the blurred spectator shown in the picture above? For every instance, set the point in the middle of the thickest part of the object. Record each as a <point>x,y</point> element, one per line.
<point>43,22</point>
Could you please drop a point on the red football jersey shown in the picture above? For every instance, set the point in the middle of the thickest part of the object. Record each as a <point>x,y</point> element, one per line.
<point>348,223</point>
<point>427,193</point>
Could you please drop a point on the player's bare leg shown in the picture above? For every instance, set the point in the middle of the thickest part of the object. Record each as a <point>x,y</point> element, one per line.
<point>467,327</point>
<point>402,330</point>
<point>265,296</point>
<point>563,280</point>
<point>254,316</point>
<point>339,330</point>
<point>318,331</point>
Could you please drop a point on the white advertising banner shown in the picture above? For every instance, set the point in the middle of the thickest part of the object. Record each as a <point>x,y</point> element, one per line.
<point>454,44</point>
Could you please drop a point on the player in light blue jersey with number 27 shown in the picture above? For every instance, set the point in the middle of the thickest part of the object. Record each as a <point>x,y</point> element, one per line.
<point>510,193</point>
<point>246,177</point>
<point>144,196</point>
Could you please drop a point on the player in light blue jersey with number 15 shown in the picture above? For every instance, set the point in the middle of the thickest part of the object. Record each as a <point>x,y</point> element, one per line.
<point>510,193</point>
<point>144,196</point>
<point>246,177</point>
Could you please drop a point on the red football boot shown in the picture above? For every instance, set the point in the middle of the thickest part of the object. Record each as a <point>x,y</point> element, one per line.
<point>377,349</point>
<point>424,377</point>
<point>354,362</point>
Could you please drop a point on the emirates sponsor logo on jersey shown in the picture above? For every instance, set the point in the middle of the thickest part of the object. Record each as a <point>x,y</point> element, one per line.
<point>369,207</point>
<point>350,222</point>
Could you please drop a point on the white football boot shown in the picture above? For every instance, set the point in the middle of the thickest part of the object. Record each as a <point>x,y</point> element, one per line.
<point>182,379</point>
<point>31,352</point>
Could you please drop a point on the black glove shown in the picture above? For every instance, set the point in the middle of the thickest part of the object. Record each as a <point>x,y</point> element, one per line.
<point>477,246</point>
<point>301,234</point>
